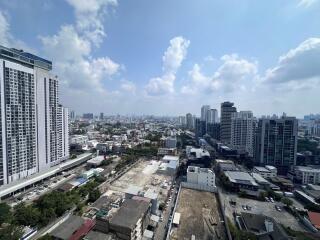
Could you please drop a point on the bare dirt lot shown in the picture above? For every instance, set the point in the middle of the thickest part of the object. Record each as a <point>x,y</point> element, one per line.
<point>199,216</point>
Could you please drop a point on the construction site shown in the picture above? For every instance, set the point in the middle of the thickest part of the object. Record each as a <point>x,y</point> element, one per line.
<point>197,216</point>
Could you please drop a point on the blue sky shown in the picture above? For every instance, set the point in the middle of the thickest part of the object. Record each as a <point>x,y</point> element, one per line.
<point>170,57</point>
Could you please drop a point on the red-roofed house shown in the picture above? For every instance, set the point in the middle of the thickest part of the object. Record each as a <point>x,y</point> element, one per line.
<point>314,219</point>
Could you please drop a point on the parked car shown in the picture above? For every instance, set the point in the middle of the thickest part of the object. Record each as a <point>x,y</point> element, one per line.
<point>244,207</point>
<point>271,199</point>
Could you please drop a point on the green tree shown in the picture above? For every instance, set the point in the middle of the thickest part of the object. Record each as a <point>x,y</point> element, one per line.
<point>288,202</point>
<point>26,215</point>
<point>10,232</point>
<point>94,195</point>
<point>5,213</point>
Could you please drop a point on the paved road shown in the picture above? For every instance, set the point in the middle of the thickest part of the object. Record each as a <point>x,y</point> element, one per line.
<point>161,230</point>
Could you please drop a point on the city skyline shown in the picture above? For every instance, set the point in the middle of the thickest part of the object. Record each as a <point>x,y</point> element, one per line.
<point>173,65</point>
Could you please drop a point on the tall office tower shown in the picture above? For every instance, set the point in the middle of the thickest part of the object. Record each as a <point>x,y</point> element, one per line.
<point>213,129</point>
<point>72,115</point>
<point>200,128</point>
<point>101,116</point>
<point>87,116</point>
<point>28,115</point>
<point>227,109</point>
<point>189,121</point>
<point>204,112</point>
<point>276,142</point>
<point>212,116</point>
<point>182,120</point>
<point>243,126</point>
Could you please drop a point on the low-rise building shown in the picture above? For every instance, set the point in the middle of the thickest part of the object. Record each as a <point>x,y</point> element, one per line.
<point>241,181</point>
<point>201,176</point>
<point>266,172</point>
<point>74,228</point>
<point>261,226</point>
<point>130,221</point>
<point>307,174</point>
<point>79,139</point>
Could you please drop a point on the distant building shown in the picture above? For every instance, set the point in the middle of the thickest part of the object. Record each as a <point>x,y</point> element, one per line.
<point>200,128</point>
<point>182,120</point>
<point>266,172</point>
<point>276,143</point>
<point>307,174</point>
<point>198,157</point>
<point>227,109</point>
<point>72,115</point>
<point>87,116</point>
<point>101,116</point>
<point>201,176</point>
<point>189,121</point>
<point>212,116</point>
<point>204,113</point>
<point>171,142</point>
<point>243,126</point>
<point>213,129</point>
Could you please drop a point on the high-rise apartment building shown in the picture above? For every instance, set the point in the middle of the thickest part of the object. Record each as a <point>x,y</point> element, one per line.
<point>212,116</point>
<point>243,126</point>
<point>31,121</point>
<point>101,116</point>
<point>189,121</point>
<point>276,142</point>
<point>88,116</point>
<point>72,115</point>
<point>204,112</point>
<point>227,109</point>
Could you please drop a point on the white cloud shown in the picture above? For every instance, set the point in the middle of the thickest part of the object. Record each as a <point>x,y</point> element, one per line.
<point>175,54</point>
<point>6,38</point>
<point>161,85</point>
<point>89,17</point>
<point>306,3</point>
<point>128,86</point>
<point>227,77</point>
<point>299,68</point>
<point>172,60</point>
<point>71,50</point>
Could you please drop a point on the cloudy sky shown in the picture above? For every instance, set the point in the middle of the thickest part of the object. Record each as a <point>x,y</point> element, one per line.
<point>170,57</point>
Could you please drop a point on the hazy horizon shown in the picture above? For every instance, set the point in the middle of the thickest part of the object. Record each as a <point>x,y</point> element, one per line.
<point>169,58</point>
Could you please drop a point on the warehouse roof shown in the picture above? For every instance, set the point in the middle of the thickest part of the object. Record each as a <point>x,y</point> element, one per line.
<point>129,213</point>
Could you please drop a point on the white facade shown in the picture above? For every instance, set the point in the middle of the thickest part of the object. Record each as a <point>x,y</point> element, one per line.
<point>266,172</point>
<point>243,126</point>
<point>201,176</point>
<point>28,115</point>
<point>79,139</point>
<point>204,112</point>
<point>171,142</point>
<point>212,116</point>
<point>307,174</point>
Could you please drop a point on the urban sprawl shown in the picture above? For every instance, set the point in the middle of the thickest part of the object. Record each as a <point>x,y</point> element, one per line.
<point>223,175</point>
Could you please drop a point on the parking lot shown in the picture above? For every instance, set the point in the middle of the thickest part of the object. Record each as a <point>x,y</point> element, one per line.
<point>260,207</point>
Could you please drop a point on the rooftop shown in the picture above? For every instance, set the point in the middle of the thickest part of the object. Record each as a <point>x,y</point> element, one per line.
<point>65,230</point>
<point>170,158</point>
<point>129,213</point>
<point>240,177</point>
<point>25,57</point>
<point>262,169</point>
<point>314,219</point>
<point>258,225</point>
